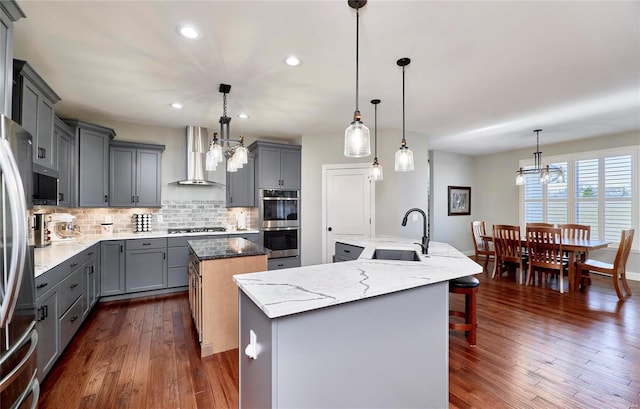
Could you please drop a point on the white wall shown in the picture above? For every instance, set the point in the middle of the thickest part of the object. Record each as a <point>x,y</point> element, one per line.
<point>394,195</point>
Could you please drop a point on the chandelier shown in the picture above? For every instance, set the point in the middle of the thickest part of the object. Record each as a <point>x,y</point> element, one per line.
<point>222,146</point>
<point>546,174</point>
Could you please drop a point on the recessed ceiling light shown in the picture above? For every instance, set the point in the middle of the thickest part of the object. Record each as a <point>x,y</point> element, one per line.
<point>188,31</point>
<point>176,105</point>
<point>243,115</point>
<point>292,61</point>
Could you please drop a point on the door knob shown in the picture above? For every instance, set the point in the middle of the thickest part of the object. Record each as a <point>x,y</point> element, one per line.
<point>330,229</point>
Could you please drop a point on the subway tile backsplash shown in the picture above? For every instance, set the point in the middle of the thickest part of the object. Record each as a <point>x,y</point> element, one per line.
<point>173,213</point>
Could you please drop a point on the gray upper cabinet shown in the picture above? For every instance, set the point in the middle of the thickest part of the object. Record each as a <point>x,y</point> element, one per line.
<point>278,165</point>
<point>32,107</point>
<point>134,174</point>
<point>92,151</point>
<point>241,186</point>
<point>66,163</point>
<point>9,12</point>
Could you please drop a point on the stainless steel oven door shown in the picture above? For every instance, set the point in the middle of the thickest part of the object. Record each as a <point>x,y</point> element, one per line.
<point>283,242</point>
<point>279,208</point>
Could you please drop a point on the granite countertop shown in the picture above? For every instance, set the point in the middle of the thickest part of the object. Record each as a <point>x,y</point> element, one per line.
<point>211,249</point>
<point>290,291</point>
<point>58,252</point>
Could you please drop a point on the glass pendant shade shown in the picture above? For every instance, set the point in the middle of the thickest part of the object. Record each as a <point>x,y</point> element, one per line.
<point>519,178</point>
<point>404,159</point>
<point>232,164</point>
<point>357,141</point>
<point>376,171</point>
<point>210,164</point>
<point>242,155</point>
<point>216,150</point>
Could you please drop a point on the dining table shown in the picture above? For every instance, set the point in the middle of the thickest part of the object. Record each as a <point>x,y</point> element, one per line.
<point>572,247</point>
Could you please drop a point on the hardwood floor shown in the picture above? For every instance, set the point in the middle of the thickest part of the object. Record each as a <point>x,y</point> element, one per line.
<point>536,349</point>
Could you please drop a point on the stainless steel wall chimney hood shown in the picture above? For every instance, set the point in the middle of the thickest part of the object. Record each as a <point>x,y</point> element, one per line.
<point>197,138</point>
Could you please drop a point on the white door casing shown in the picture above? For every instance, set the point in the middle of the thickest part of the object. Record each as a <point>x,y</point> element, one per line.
<point>348,204</point>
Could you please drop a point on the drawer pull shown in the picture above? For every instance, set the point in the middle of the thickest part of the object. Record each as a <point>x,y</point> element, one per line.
<point>72,286</point>
<point>90,254</point>
<point>73,265</point>
<point>75,317</point>
<point>146,244</point>
<point>43,285</point>
<point>347,251</point>
<point>280,265</point>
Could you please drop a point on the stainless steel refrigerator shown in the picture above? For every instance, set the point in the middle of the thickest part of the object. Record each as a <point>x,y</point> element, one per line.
<point>18,337</point>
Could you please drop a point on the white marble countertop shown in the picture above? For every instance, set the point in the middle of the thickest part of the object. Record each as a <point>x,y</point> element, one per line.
<point>50,256</point>
<point>290,291</point>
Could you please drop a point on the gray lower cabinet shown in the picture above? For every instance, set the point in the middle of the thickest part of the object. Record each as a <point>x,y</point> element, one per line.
<point>32,107</point>
<point>134,174</point>
<point>92,152</point>
<point>47,327</point>
<point>284,262</point>
<point>346,252</point>
<point>66,163</point>
<point>91,273</point>
<point>241,185</point>
<point>112,267</point>
<point>359,351</point>
<point>145,265</point>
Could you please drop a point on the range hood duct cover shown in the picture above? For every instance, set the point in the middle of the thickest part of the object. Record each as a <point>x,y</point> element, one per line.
<point>197,143</point>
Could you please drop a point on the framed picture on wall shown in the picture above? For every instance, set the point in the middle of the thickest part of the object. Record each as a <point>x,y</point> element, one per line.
<point>459,200</point>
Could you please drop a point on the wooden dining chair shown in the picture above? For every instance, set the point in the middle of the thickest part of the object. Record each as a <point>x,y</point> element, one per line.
<point>617,271</point>
<point>508,249</point>
<point>544,248</point>
<point>579,232</point>
<point>482,247</point>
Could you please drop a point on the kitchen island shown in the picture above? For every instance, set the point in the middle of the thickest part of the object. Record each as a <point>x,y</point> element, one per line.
<point>365,333</point>
<point>213,297</point>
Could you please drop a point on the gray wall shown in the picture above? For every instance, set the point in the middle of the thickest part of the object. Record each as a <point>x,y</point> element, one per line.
<point>394,195</point>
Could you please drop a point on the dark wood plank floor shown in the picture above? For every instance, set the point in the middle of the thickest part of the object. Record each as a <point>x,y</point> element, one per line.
<point>536,349</point>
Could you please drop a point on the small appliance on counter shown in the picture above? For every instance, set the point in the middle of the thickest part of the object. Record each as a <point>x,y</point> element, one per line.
<point>62,227</point>
<point>41,232</point>
<point>142,222</point>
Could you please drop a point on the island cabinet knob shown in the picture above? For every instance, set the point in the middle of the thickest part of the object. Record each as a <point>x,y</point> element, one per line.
<point>330,229</point>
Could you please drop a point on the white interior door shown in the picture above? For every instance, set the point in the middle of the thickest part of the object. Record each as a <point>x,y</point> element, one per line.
<point>348,206</point>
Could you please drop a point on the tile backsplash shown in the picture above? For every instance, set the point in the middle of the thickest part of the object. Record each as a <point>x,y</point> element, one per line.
<point>173,213</point>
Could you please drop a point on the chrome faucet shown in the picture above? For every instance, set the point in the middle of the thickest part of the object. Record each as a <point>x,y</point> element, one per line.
<point>425,238</point>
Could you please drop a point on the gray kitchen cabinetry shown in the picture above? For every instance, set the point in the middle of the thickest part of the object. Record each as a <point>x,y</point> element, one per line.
<point>283,262</point>
<point>145,264</point>
<point>112,267</point>
<point>346,252</point>
<point>60,292</point>
<point>178,258</point>
<point>91,272</point>
<point>278,165</point>
<point>241,191</point>
<point>47,327</point>
<point>32,107</point>
<point>92,151</point>
<point>9,12</point>
<point>66,163</point>
<point>134,174</point>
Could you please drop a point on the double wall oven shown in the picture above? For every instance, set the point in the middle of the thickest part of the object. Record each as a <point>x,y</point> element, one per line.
<point>279,215</point>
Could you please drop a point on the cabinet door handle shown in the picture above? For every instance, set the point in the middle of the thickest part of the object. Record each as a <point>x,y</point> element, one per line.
<point>72,286</point>
<point>60,197</point>
<point>91,269</point>
<point>121,248</point>
<point>73,265</point>
<point>106,198</point>
<point>164,255</point>
<point>133,199</point>
<point>40,313</point>
<point>75,317</point>
<point>42,285</point>
<point>42,153</point>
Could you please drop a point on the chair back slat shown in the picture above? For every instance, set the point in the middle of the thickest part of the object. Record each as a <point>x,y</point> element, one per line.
<point>544,247</point>
<point>507,242</point>
<point>575,231</point>
<point>478,230</point>
<point>536,224</point>
<point>624,248</point>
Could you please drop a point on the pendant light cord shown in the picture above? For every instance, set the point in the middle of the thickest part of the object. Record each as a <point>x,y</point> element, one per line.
<point>404,141</point>
<point>375,130</point>
<point>357,52</point>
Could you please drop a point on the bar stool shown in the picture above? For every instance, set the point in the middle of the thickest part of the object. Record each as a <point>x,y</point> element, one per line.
<point>469,287</point>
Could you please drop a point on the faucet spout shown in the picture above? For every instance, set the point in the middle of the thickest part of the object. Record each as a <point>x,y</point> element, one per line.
<point>425,238</point>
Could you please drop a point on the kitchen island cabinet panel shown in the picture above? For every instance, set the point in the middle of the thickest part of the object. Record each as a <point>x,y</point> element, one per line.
<point>338,349</point>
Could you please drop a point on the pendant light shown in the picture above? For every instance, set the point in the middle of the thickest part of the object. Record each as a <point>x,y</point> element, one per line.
<point>545,174</point>
<point>376,169</point>
<point>356,137</point>
<point>404,156</point>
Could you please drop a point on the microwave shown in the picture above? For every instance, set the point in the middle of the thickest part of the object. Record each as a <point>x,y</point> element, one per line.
<point>45,189</point>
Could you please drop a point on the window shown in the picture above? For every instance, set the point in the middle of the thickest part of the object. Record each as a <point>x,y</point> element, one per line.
<point>600,189</point>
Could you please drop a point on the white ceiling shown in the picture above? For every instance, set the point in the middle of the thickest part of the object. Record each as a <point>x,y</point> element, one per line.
<point>483,74</point>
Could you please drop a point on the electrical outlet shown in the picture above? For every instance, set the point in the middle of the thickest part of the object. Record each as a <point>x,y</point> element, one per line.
<point>159,218</point>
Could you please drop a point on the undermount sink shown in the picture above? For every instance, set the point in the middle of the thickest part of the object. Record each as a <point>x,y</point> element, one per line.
<point>403,255</point>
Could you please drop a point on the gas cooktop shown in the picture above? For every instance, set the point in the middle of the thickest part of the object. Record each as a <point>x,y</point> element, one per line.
<point>178,230</point>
